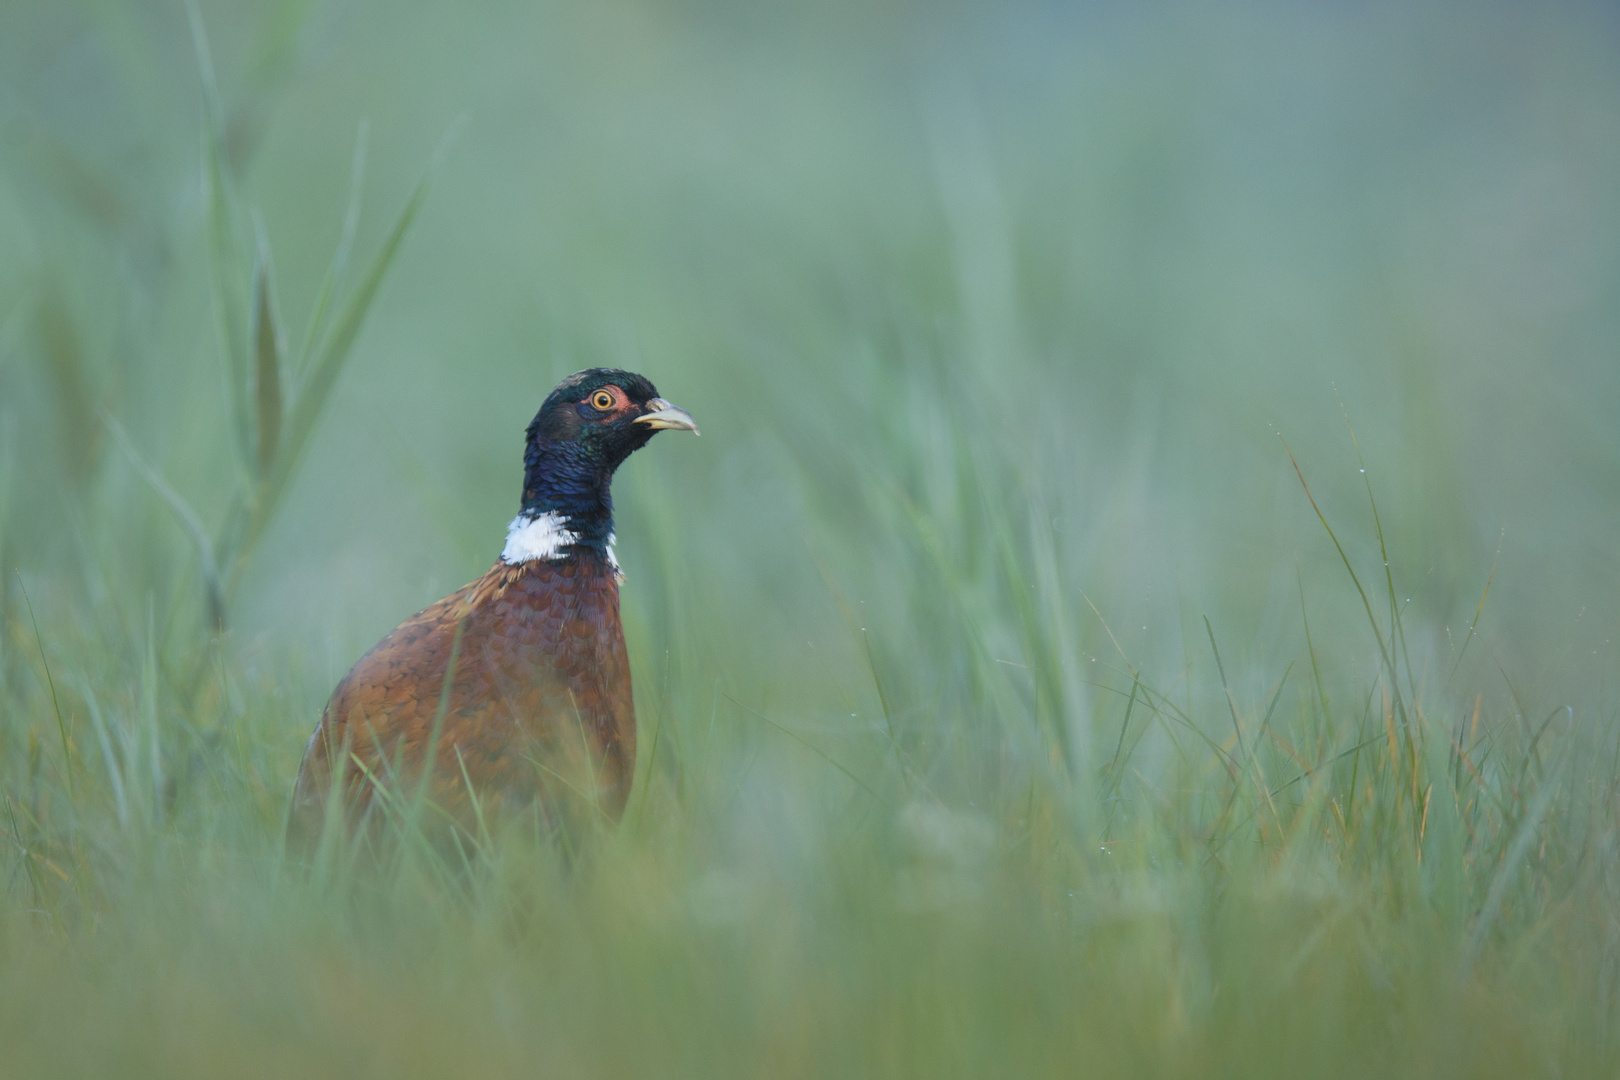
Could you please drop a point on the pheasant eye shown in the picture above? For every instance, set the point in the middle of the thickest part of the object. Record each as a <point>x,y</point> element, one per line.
<point>602,400</point>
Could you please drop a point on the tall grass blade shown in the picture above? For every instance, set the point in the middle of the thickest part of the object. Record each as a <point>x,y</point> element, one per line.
<point>1231,705</point>
<point>65,360</point>
<point>1474,624</point>
<point>340,255</point>
<point>50,681</point>
<point>1310,647</point>
<point>1372,620</point>
<point>225,285</point>
<point>316,385</point>
<point>1397,631</point>
<point>213,584</point>
<point>430,755</point>
<point>115,774</point>
<point>813,748</point>
<point>151,725</point>
<point>267,357</point>
<point>1523,837</point>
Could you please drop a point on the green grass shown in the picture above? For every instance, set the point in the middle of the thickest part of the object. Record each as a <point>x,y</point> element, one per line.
<point>1013,701</point>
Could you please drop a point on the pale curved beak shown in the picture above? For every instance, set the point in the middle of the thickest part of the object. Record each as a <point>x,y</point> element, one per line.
<point>661,414</point>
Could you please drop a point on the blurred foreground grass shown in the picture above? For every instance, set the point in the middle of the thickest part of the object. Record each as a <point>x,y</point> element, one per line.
<point>1006,709</point>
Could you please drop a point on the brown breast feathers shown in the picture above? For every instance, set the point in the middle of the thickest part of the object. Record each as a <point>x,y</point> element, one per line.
<point>536,707</point>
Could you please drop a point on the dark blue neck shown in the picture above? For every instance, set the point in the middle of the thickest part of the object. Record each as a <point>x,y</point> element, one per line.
<point>566,479</point>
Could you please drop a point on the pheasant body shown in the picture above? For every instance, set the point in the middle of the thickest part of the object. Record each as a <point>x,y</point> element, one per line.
<point>514,692</point>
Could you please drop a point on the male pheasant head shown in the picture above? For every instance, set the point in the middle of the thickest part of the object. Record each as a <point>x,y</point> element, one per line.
<point>588,425</point>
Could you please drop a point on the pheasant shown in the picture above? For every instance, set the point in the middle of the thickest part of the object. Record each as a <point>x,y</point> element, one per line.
<point>515,689</point>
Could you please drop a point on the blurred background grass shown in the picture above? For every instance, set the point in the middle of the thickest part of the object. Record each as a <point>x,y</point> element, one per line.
<point>992,316</point>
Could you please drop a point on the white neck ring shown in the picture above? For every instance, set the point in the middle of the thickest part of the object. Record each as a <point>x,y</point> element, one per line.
<point>537,536</point>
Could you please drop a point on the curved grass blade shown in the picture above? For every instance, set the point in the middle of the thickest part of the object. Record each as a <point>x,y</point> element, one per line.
<point>61,725</point>
<point>340,256</point>
<point>316,385</point>
<point>267,352</point>
<point>1477,613</point>
<point>224,281</point>
<point>183,513</point>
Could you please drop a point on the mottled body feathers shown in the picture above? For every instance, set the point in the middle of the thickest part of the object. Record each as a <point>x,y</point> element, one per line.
<point>539,701</point>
